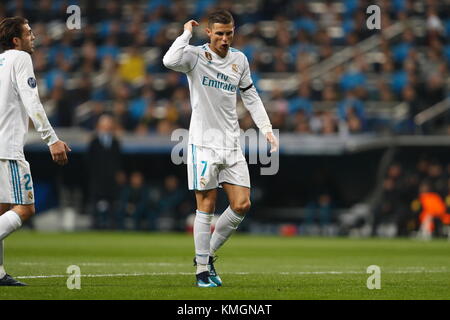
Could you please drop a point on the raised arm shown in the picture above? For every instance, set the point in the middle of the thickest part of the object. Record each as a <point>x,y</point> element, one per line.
<point>27,89</point>
<point>181,56</point>
<point>254,105</point>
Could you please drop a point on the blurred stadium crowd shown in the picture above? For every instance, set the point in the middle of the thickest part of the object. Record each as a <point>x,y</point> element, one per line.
<point>415,197</point>
<point>114,62</point>
<point>113,65</point>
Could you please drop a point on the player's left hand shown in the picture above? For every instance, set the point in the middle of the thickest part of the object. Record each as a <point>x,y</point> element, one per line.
<point>273,141</point>
<point>59,151</point>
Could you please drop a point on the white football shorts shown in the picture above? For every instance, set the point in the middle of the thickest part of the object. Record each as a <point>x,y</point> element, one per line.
<point>16,185</point>
<point>208,168</point>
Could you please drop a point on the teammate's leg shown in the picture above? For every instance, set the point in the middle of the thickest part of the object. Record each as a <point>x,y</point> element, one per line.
<point>3,208</point>
<point>16,205</point>
<point>239,198</point>
<point>11,219</point>
<point>206,201</point>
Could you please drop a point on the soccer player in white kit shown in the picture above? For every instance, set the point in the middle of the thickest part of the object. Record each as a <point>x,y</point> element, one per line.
<point>216,72</point>
<point>19,101</point>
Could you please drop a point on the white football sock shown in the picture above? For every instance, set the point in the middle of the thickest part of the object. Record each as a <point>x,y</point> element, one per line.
<point>225,225</point>
<point>201,268</point>
<point>9,222</point>
<point>202,234</point>
<point>2,269</point>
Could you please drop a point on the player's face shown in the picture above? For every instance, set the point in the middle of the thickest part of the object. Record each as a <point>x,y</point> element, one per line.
<point>221,37</point>
<point>26,42</point>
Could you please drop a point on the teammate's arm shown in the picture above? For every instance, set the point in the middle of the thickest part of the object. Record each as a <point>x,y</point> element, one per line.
<point>254,105</point>
<point>27,89</point>
<point>180,56</point>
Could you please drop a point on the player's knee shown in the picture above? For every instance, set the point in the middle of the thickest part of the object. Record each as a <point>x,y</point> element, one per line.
<point>25,212</point>
<point>28,213</point>
<point>31,211</point>
<point>206,206</point>
<point>241,207</point>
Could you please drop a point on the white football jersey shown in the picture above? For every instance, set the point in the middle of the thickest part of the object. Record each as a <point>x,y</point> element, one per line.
<point>213,84</point>
<point>19,101</point>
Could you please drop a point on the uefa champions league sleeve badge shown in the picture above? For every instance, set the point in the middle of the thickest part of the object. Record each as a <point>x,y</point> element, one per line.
<point>32,82</point>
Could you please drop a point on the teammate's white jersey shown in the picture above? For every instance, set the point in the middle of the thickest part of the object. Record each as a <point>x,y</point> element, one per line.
<point>19,101</point>
<point>213,84</point>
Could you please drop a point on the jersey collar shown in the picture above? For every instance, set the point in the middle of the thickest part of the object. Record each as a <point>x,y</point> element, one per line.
<point>215,54</point>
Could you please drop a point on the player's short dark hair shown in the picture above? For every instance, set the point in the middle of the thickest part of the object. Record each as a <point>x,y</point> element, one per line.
<point>9,29</point>
<point>220,16</point>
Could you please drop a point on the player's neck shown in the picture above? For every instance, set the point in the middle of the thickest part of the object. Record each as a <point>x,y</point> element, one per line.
<point>219,53</point>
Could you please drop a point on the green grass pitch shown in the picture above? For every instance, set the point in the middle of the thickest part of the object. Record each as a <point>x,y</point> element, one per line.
<point>159,266</point>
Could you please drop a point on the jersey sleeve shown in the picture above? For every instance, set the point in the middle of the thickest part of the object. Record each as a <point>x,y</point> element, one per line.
<point>28,91</point>
<point>246,78</point>
<point>181,56</point>
<point>252,101</point>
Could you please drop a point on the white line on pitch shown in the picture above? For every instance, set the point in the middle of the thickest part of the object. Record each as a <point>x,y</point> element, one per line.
<point>235,273</point>
<point>100,264</point>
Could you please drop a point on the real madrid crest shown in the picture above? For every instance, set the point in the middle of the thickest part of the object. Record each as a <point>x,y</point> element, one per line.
<point>208,56</point>
<point>234,67</point>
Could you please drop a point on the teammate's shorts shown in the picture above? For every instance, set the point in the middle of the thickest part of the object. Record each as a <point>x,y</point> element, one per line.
<point>208,168</point>
<point>16,185</point>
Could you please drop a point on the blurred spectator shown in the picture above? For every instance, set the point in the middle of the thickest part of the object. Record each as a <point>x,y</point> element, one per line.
<point>434,23</point>
<point>319,206</point>
<point>132,66</point>
<point>301,122</point>
<point>301,101</point>
<point>401,51</point>
<point>172,200</point>
<point>433,211</point>
<point>437,179</point>
<point>304,19</point>
<point>385,93</point>
<point>330,15</point>
<point>329,93</point>
<point>133,204</point>
<point>82,92</point>
<point>414,107</point>
<point>181,102</point>
<point>328,123</point>
<point>110,48</point>
<point>62,106</point>
<point>351,111</point>
<point>88,62</point>
<point>354,78</point>
<point>393,207</point>
<point>62,51</point>
<point>122,117</point>
<point>103,162</point>
<point>139,105</point>
<point>91,113</point>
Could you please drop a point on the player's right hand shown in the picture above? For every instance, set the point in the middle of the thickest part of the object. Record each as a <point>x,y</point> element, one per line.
<point>190,25</point>
<point>59,150</point>
<point>274,144</point>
